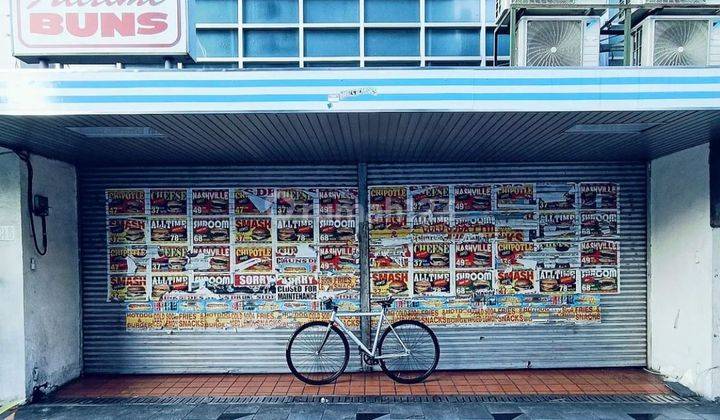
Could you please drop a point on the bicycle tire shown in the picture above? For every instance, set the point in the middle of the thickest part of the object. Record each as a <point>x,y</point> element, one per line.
<point>424,374</point>
<point>294,369</point>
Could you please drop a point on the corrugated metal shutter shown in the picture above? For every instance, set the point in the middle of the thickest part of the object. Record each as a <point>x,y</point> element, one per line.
<point>108,348</point>
<point>620,340</point>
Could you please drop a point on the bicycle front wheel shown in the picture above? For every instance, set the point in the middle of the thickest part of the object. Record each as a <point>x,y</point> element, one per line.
<point>317,353</point>
<point>410,351</point>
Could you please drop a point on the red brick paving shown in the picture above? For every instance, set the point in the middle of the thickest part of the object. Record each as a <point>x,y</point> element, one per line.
<point>515,382</point>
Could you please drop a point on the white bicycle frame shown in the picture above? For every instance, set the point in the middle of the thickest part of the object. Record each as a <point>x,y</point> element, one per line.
<point>335,319</point>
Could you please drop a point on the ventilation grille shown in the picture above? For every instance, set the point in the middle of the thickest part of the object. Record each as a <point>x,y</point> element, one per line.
<point>680,43</point>
<point>554,43</point>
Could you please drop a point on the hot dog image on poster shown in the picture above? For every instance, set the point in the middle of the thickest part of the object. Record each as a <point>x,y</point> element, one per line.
<point>515,255</point>
<point>473,227</point>
<point>560,196</point>
<point>470,282</point>
<point>295,229</point>
<point>336,259</point>
<point>389,283</point>
<point>126,231</point>
<point>253,201</point>
<point>595,253</point>
<point>211,230</point>
<point>598,195</point>
<point>473,198</point>
<point>168,230</point>
<point>430,198</point>
<point>517,226</point>
<point>515,197</point>
<point>386,257</point>
<point>431,283</point>
<point>558,225</point>
<point>431,256</point>
<point>295,201</point>
<point>165,284</point>
<point>473,255</point>
<point>254,258</point>
<point>253,229</point>
<point>258,286</point>
<point>118,259</point>
<point>125,202</point>
<point>338,201</point>
<point>557,254</point>
<point>122,288</point>
<point>297,258</point>
<point>210,202</point>
<point>168,202</point>
<point>389,226</point>
<point>430,227</point>
<point>211,258</point>
<point>392,199</point>
<point>297,287</point>
<point>516,281</point>
<point>338,229</point>
<point>170,258</point>
<point>599,224</point>
<point>558,281</point>
<point>600,280</point>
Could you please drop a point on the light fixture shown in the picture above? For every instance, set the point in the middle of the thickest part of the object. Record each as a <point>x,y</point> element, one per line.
<point>117,132</point>
<point>630,128</point>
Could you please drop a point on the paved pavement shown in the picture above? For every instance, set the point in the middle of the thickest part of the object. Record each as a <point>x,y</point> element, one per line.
<point>370,411</point>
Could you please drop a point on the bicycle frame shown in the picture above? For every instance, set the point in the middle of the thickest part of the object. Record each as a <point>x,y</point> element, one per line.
<point>335,319</point>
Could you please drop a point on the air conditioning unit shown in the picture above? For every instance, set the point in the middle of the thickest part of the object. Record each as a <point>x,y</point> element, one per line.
<point>677,41</point>
<point>558,41</point>
<point>502,6</point>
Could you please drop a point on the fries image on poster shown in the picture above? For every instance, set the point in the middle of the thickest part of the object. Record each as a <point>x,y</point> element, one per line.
<point>163,284</point>
<point>430,198</point>
<point>593,253</point>
<point>338,230</point>
<point>598,224</point>
<point>125,202</point>
<point>515,255</point>
<point>600,280</point>
<point>217,258</point>
<point>561,196</point>
<point>598,195</point>
<point>254,201</point>
<point>558,281</point>
<point>339,259</point>
<point>431,283</point>
<point>297,287</point>
<point>261,286</point>
<point>168,230</point>
<point>127,288</point>
<point>253,229</point>
<point>299,258</point>
<point>469,282</point>
<point>516,281</point>
<point>210,202</point>
<point>469,255</point>
<point>431,255</point>
<point>295,230</point>
<point>389,283</point>
<point>338,201</point>
<point>126,231</point>
<point>516,226</point>
<point>557,254</point>
<point>473,227</point>
<point>558,225</point>
<point>473,198</point>
<point>170,259</point>
<point>168,202</point>
<point>389,226</point>
<point>515,197</point>
<point>118,259</point>
<point>295,201</point>
<point>430,227</point>
<point>254,259</point>
<point>391,199</point>
<point>344,282</point>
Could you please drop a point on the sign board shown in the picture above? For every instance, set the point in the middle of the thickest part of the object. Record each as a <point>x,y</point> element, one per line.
<point>99,27</point>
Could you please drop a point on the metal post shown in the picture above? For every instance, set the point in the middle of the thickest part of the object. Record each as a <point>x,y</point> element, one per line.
<point>513,41</point>
<point>364,243</point>
<point>495,46</point>
<point>627,38</point>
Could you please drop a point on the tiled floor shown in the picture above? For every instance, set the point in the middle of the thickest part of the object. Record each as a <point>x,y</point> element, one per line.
<point>565,381</point>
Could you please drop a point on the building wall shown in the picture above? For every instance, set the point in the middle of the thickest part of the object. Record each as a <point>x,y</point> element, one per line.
<point>681,284</point>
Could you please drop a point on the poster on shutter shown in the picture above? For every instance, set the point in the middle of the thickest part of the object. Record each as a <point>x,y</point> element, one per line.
<point>118,259</point>
<point>297,287</point>
<point>478,227</point>
<point>558,225</point>
<point>600,280</point>
<point>253,229</point>
<point>210,202</point>
<point>389,283</point>
<point>295,229</point>
<point>211,230</point>
<point>343,286</point>
<point>598,195</point>
<point>168,202</point>
<point>431,256</point>
<point>338,201</point>
<point>122,288</point>
<point>389,226</point>
<point>516,226</point>
<point>254,258</point>
<point>295,201</point>
<point>168,230</point>
<point>515,197</point>
<point>125,202</point>
<point>599,224</point>
<point>595,253</point>
<point>473,255</point>
<point>560,196</point>
<point>256,286</point>
<point>126,231</point>
<point>391,199</point>
<point>253,201</point>
<point>214,282</point>
<point>473,198</point>
<point>166,284</point>
<point>516,281</point>
<point>430,227</point>
<point>470,282</point>
<point>431,283</point>
<point>515,255</point>
<point>338,229</point>
<point>336,259</point>
<point>558,281</point>
<point>557,254</point>
<point>170,258</point>
<point>430,198</point>
<point>386,257</point>
<point>211,258</point>
<point>299,258</point>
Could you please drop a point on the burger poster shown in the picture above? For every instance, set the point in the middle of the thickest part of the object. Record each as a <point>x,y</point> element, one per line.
<point>338,229</point>
<point>430,198</point>
<point>516,226</point>
<point>473,227</point>
<point>388,199</point>
<point>254,259</point>
<point>557,254</point>
<point>515,197</point>
<point>561,196</point>
<point>125,202</point>
<point>168,230</point>
<point>430,227</point>
<point>598,195</point>
<point>299,258</point>
<point>473,198</point>
<point>431,256</point>
<point>126,231</point>
<point>211,230</point>
<point>558,281</point>
<point>384,257</point>
<point>127,288</point>
<point>163,284</point>
<point>598,224</point>
<point>168,202</point>
<point>558,225</point>
<point>389,226</point>
<point>261,286</point>
<point>339,259</point>
<point>514,255</point>
<point>338,201</point>
<point>295,229</point>
<point>170,258</point>
<point>118,259</point>
<point>389,283</point>
<point>253,229</point>
<point>210,202</point>
<point>295,201</point>
<point>468,283</point>
<point>600,280</point>
<point>218,283</point>
<point>254,201</point>
<point>214,258</point>
<point>431,283</point>
<point>297,287</point>
<point>593,253</point>
<point>516,281</point>
<point>473,255</point>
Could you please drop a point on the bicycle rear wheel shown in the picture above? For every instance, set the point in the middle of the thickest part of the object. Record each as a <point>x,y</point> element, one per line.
<point>316,354</point>
<point>423,351</point>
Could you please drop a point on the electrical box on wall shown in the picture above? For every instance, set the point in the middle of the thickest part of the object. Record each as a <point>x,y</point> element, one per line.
<point>41,207</point>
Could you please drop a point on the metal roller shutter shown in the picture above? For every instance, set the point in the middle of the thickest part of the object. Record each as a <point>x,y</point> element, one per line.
<point>619,340</point>
<point>108,348</point>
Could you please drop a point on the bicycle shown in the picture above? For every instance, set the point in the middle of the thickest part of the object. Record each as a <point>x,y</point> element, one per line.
<point>318,351</point>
